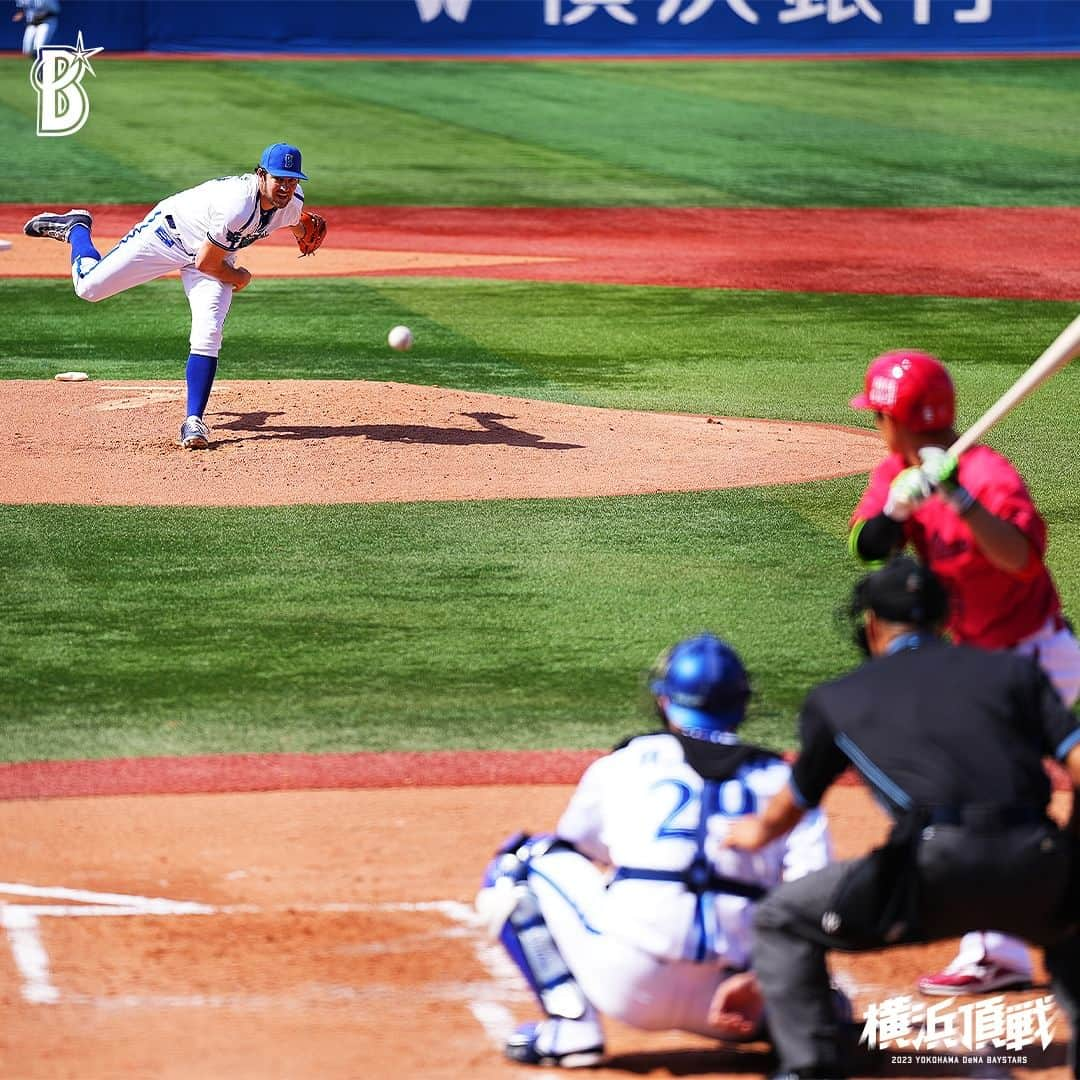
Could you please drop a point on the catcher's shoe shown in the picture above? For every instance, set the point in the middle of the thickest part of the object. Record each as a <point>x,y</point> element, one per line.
<point>973,979</point>
<point>194,434</point>
<point>57,226</point>
<point>566,1044</point>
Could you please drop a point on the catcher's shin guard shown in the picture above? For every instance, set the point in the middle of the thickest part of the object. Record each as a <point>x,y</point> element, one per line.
<point>513,916</point>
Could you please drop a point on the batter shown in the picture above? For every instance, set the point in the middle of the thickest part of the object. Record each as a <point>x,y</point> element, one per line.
<point>974,524</point>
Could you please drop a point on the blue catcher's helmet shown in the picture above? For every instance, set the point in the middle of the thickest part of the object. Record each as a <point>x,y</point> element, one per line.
<point>702,688</point>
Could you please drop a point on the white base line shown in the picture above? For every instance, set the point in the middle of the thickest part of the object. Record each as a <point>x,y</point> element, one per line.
<point>487,1005</point>
<point>30,956</point>
<point>21,922</point>
<point>146,903</point>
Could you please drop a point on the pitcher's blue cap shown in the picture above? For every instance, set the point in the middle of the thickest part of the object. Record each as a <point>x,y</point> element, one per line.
<point>281,159</point>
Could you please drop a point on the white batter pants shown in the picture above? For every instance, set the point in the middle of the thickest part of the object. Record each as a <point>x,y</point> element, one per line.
<point>37,37</point>
<point>152,250</point>
<point>619,979</point>
<point>1058,654</point>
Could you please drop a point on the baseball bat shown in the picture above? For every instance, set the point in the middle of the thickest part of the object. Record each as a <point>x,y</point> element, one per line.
<point>1058,353</point>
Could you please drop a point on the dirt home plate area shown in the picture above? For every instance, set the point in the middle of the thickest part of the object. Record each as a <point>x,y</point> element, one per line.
<point>319,933</point>
<point>293,917</point>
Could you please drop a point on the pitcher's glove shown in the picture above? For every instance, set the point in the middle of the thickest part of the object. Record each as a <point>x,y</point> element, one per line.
<point>313,235</point>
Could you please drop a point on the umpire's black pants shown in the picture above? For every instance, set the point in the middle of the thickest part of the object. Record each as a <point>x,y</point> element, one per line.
<point>1011,880</point>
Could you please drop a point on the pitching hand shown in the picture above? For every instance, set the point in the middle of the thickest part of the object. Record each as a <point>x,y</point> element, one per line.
<point>908,491</point>
<point>244,278</point>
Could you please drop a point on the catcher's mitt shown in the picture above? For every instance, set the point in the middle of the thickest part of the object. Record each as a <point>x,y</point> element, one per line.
<point>314,233</point>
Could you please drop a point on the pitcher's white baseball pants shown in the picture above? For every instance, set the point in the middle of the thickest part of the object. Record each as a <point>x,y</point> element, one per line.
<point>152,250</point>
<point>37,37</point>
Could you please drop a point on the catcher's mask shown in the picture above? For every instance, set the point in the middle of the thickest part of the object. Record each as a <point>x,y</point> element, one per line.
<point>903,591</point>
<point>701,688</point>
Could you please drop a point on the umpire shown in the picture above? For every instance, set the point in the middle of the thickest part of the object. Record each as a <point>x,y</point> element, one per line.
<point>950,739</point>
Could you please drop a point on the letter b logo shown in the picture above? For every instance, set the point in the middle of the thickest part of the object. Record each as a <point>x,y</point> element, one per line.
<point>63,105</point>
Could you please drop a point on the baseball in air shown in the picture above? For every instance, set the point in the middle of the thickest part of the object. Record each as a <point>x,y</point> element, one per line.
<point>400,338</point>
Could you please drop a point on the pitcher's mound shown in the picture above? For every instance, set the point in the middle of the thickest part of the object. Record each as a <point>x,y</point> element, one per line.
<point>287,442</point>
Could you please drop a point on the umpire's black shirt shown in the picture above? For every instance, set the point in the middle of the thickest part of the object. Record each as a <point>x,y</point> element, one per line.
<point>932,724</point>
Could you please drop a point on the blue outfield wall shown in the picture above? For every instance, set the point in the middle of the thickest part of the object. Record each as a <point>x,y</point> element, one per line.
<point>575,26</point>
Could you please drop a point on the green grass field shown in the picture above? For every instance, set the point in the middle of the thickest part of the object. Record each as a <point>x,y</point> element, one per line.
<point>853,133</point>
<point>514,623</point>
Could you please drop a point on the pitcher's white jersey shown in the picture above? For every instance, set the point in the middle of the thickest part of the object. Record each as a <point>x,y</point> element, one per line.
<point>640,807</point>
<point>226,212</point>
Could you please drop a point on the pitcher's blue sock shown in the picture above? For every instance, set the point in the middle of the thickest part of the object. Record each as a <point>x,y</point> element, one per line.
<point>200,378</point>
<point>82,246</point>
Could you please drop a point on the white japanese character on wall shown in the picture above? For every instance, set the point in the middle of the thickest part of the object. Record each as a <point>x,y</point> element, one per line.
<point>979,12</point>
<point>835,11</point>
<point>582,9</point>
<point>697,8</point>
<point>458,10</point>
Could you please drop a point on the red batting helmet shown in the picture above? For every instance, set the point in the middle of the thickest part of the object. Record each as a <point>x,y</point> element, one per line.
<point>912,387</point>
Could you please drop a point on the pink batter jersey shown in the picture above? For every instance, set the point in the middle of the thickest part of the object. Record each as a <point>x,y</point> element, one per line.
<point>990,608</point>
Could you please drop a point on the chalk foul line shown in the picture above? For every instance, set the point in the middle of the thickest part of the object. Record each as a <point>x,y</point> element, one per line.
<point>21,923</point>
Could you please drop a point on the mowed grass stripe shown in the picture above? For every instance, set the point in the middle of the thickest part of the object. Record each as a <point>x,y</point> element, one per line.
<point>471,625</point>
<point>754,133</point>
<point>421,626</point>
<point>796,356</point>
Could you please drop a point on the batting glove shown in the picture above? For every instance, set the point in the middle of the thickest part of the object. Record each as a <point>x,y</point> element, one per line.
<point>942,470</point>
<point>939,467</point>
<point>908,491</point>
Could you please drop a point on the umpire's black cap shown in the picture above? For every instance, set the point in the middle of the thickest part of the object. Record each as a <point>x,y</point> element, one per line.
<point>902,591</point>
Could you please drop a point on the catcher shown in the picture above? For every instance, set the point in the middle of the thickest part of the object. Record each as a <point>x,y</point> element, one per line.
<point>198,232</point>
<point>662,942</point>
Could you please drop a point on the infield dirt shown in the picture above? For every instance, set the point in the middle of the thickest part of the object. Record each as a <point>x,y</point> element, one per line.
<point>334,939</point>
<point>291,442</point>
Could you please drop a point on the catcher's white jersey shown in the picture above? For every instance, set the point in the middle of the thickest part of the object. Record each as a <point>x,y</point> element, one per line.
<point>653,952</point>
<point>640,807</point>
<point>226,212</point>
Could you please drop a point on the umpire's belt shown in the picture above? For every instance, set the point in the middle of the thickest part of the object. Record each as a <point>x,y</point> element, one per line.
<point>696,878</point>
<point>985,815</point>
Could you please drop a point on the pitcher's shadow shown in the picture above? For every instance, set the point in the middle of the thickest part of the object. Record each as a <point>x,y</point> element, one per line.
<point>251,426</point>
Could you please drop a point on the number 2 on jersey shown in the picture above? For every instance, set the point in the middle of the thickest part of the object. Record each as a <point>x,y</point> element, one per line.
<point>735,800</point>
